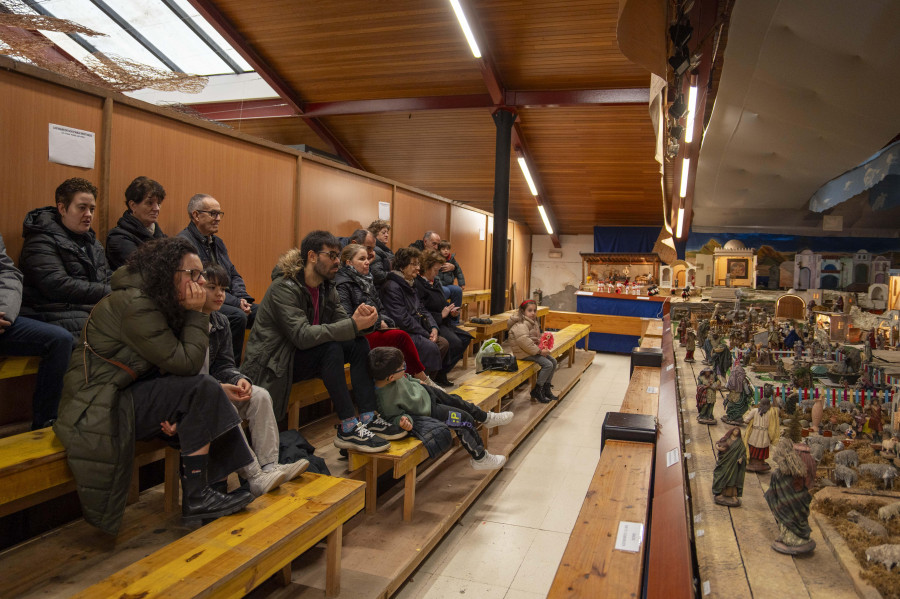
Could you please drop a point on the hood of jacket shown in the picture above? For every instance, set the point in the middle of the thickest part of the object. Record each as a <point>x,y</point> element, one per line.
<point>128,223</point>
<point>517,317</point>
<point>46,221</point>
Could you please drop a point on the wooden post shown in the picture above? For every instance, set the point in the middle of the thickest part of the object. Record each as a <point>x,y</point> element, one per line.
<point>371,485</point>
<point>409,494</point>
<point>333,561</point>
<point>172,483</point>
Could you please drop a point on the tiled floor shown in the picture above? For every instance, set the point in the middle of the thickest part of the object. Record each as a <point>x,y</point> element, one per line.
<point>509,544</point>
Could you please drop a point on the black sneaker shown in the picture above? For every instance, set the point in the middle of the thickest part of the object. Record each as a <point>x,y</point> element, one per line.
<point>384,429</point>
<point>360,439</point>
<point>442,380</point>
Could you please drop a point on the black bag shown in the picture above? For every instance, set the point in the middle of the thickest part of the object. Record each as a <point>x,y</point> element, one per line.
<point>501,362</point>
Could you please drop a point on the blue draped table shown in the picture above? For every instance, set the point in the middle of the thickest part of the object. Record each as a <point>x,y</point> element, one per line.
<point>615,304</point>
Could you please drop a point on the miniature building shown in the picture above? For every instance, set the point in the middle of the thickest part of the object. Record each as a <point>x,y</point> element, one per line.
<point>836,271</point>
<point>837,325</point>
<point>790,306</point>
<point>894,290</point>
<point>734,265</point>
<point>678,274</point>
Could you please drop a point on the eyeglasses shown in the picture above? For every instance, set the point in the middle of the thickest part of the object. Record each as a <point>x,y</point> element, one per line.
<point>214,214</point>
<point>332,255</point>
<point>402,369</point>
<point>193,272</point>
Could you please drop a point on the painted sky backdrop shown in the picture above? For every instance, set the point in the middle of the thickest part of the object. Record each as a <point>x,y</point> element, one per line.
<point>798,243</point>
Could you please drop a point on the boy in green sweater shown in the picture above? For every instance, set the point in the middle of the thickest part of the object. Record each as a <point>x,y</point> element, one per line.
<point>402,398</point>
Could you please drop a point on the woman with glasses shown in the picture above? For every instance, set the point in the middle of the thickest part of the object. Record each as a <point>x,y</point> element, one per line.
<point>135,378</point>
<point>138,225</point>
<point>402,305</point>
<point>355,286</point>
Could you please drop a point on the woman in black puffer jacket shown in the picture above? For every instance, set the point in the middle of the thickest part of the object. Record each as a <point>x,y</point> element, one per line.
<point>354,287</point>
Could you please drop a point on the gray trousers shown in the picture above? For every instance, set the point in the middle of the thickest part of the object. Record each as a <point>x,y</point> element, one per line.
<point>548,367</point>
<point>260,416</point>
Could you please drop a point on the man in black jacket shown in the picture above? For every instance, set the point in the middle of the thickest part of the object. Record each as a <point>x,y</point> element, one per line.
<point>20,336</point>
<point>206,214</point>
<point>64,265</point>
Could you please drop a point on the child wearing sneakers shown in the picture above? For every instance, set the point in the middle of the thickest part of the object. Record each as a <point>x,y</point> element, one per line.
<point>401,398</point>
<point>253,403</point>
<point>525,337</point>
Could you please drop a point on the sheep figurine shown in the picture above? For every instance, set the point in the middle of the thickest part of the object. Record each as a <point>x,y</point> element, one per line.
<point>886,472</point>
<point>843,474</point>
<point>845,406</point>
<point>889,511</point>
<point>847,457</point>
<point>886,555</point>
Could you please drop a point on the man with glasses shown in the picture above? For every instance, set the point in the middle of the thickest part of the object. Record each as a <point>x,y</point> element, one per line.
<point>206,215</point>
<point>303,332</point>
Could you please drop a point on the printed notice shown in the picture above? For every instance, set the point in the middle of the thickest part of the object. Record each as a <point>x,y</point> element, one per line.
<point>481,234</point>
<point>384,210</point>
<point>652,389</point>
<point>71,146</point>
<point>670,367</point>
<point>630,536</point>
<point>672,457</point>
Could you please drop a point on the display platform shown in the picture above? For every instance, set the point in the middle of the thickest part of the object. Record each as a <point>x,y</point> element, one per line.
<point>616,304</point>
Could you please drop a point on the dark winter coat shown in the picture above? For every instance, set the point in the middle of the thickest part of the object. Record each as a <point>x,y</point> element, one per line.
<point>382,264</point>
<point>401,304</point>
<point>65,273</point>
<point>434,435</point>
<point>10,285</point>
<point>221,353</point>
<point>432,298</point>
<point>354,289</point>
<point>283,325</point>
<point>446,278</point>
<point>238,290</point>
<point>96,415</point>
<point>418,244</point>
<point>128,234</point>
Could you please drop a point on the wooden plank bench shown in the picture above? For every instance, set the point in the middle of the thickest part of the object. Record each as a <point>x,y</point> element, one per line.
<point>33,469</point>
<point>619,492</point>
<point>653,328</point>
<point>642,396</point>
<point>14,366</point>
<point>505,382</point>
<point>306,393</point>
<point>564,340</point>
<point>405,455</point>
<point>233,555</point>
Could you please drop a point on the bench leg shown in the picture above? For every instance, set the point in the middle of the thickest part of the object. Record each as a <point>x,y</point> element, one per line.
<point>371,485</point>
<point>572,357</point>
<point>172,485</point>
<point>134,491</point>
<point>284,575</point>
<point>333,561</point>
<point>409,494</point>
<point>294,417</point>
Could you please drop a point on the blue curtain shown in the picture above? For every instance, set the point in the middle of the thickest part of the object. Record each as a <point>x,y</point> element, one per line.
<point>625,240</point>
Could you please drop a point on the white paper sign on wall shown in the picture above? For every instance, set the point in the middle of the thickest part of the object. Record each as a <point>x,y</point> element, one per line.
<point>71,146</point>
<point>384,210</point>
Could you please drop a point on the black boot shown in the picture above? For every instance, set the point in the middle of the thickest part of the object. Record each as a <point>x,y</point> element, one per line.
<point>538,394</point>
<point>199,501</point>
<point>441,379</point>
<point>548,392</point>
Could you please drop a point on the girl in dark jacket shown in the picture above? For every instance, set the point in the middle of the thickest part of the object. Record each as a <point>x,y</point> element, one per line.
<point>143,201</point>
<point>432,297</point>
<point>401,304</point>
<point>354,287</point>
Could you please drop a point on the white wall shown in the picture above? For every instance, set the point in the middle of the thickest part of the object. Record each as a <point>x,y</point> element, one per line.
<point>558,278</point>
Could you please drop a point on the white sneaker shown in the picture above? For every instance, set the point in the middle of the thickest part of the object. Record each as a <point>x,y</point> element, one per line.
<point>263,482</point>
<point>431,383</point>
<point>294,469</point>
<point>495,419</point>
<point>488,461</point>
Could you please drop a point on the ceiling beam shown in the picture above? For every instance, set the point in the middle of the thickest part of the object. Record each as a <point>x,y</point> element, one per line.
<point>497,91</point>
<point>214,17</point>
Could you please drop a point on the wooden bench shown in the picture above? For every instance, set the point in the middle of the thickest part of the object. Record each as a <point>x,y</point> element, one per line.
<point>33,469</point>
<point>233,555</point>
<point>505,382</point>
<point>471,331</point>
<point>565,340</point>
<point>405,455</point>
<point>306,393</point>
<point>619,492</point>
<point>642,396</point>
<point>14,366</point>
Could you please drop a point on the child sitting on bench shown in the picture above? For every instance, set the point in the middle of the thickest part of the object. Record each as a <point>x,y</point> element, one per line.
<point>401,398</point>
<point>525,337</point>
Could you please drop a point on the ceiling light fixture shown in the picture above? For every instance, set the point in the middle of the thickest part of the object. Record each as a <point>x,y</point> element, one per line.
<point>470,37</point>
<point>545,219</point>
<point>685,168</point>
<point>679,227</point>
<point>692,108</point>
<point>678,108</point>
<point>676,131</point>
<point>527,174</point>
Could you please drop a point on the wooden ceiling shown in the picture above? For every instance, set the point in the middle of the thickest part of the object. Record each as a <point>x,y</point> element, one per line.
<point>594,160</point>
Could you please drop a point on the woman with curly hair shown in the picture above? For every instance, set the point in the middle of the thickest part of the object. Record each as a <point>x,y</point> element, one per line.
<point>135,378</point>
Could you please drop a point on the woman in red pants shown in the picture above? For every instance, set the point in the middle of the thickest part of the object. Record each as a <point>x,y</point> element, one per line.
<point>355,286</point>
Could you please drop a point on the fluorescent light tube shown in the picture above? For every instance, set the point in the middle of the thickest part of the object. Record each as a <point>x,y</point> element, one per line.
<point>465,27</point>
<point>685,169</point>
<point>527,174</point>
<point>680,226</point>
<point>545,219</point>
<point>692,109</point>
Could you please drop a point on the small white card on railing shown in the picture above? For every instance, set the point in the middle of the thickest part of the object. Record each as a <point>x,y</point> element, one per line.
<point>670,367</point>
<point>652,389</point>
<point>643,297</point>
<point>630,536</point>
<point>672,457</point>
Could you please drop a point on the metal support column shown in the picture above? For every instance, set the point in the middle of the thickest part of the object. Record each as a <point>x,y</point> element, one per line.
<point>503,119</point>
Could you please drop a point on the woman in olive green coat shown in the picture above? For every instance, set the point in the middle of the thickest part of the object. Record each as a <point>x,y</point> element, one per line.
<point>134,377</point>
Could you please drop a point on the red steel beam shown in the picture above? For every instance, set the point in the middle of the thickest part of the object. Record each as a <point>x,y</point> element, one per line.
<point>578,97</point>
<point>215,18</point>
<point>50,53</point>
<point>245,109</point>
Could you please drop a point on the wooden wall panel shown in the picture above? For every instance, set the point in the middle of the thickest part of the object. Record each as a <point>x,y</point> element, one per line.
<point>254,185</point>
<point>337,201</point>
<point>29,178</point>
<point>465,235</point>
<point>413,214</point>
<point>522,260</point>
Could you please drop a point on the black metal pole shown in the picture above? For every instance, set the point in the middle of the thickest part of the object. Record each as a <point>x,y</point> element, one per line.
<point>503,119</point>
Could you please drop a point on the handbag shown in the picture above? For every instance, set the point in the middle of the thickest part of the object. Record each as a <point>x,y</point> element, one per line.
<point>500,362</point>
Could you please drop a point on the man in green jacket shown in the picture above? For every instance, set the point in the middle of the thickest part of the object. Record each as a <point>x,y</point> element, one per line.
<point>302,332</point>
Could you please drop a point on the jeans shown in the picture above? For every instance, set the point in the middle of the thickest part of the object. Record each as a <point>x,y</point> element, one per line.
<point>454,292</point>
<point>258,413</point>
<point>460,416</point>
<point>548,367</point>
<point>327,362</point>
<point>28,337</point>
